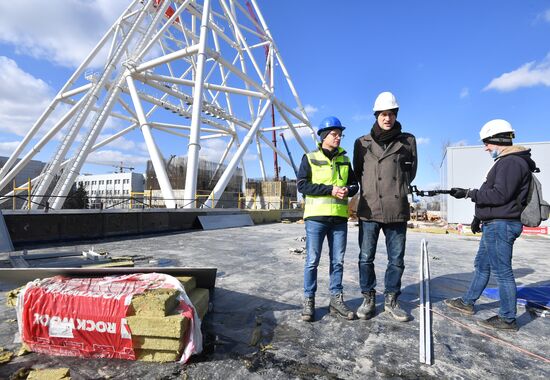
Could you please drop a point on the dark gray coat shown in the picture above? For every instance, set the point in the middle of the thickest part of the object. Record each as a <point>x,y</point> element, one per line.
<point>385,176</point>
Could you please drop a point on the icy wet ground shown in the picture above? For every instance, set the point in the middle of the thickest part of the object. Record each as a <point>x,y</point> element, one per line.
<point>254,328</point>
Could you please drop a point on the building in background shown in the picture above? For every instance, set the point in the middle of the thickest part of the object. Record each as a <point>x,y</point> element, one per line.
<point>207,177</point>
<point>30,171</point>
<point>114,190</point>
<point>270,194</point>
<point>466,166</point>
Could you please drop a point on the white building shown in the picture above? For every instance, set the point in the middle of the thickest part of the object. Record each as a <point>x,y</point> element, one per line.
<point>466,166</point>
<point>113,190</point>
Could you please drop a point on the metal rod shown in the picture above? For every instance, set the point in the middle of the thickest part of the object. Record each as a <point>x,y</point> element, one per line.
<point>154,153</point>
<point>422,343</point>
<point>194,140</point>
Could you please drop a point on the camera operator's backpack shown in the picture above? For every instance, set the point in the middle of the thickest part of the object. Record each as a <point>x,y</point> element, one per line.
<point>537,209</point>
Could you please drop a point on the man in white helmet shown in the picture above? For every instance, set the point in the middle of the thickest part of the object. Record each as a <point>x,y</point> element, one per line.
<point>498,205</point>
<point>384,162</point>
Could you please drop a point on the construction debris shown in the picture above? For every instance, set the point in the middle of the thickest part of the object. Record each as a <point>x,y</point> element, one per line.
<point>20,374</point>
<point>49,374</point>
<point>298,251</point>
<point>11,296</point>
<point>75,258</point>
<point>5,355</point>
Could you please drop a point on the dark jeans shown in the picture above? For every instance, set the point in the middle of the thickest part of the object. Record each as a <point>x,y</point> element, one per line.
<point>336,235</point>
<point>395,245</point>
<point>495,256</point>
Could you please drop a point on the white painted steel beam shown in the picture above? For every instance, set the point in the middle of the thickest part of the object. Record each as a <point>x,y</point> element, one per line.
<point>154,153</point>
<point>194,145</point>
<point>214,64</point>
<point>226,176</point>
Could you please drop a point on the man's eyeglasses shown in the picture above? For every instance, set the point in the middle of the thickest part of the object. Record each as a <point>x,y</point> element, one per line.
<point>336,135</point>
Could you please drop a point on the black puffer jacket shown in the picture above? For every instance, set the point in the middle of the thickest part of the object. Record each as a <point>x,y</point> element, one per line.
<point>506,181</point>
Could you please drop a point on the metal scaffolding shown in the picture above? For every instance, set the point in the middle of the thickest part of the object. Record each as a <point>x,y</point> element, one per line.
<point>195,70</point>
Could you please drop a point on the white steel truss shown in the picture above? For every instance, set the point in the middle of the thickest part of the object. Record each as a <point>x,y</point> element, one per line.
<point>213,63</point>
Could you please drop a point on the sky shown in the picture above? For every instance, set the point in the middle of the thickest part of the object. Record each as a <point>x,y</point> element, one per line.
<point>453,66</point>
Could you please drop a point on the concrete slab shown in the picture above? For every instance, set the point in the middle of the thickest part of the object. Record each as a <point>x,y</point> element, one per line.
<point>254,330</point>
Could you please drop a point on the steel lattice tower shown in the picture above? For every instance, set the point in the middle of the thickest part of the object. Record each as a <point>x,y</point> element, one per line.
<point>193,69</point>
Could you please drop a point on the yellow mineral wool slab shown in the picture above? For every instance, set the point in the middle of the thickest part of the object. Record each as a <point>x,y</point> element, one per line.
<point>11,296</point>
<point>189,283</point>
<point>156,343</point>
<point>112,264</point>
<point>157,356</point>
<point>199,297</point>
<point>171,326</point>
<point>154,303</point>
<point>49,374</point>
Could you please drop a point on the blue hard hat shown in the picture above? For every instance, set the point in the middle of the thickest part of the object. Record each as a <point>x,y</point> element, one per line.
<point>328,123</point>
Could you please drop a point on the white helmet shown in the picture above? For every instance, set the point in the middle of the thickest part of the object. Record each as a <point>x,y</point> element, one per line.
<point>495,127</point>
<point>385,101</point>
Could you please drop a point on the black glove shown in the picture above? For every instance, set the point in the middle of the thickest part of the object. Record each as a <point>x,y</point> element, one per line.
<point>475,225</point>
<point>459,192</point>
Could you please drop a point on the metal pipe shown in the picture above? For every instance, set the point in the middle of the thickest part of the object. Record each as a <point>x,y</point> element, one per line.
<point>154,153</point>
<point>226,176</point>
<point>62,187</point>
<point>186,52</point>
<point>209,86</point>
<point>38,146</point>
<point>38,124</point>
<point>194,140</point>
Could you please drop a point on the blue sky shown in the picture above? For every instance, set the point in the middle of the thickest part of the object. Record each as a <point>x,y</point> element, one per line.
<point>452,65</point>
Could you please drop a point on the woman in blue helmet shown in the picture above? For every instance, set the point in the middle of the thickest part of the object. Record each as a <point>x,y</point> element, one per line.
<point>326,180</point>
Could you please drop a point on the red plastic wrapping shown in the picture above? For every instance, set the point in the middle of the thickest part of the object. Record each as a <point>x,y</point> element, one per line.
<point>87,316</point>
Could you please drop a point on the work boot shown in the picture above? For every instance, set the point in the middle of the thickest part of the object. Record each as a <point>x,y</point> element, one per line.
<point>309,309</point>
<point>391,306</point>
<point>368,307</point>
<point>338,307</point>
<point>497,323</point>
<point>458,304</point>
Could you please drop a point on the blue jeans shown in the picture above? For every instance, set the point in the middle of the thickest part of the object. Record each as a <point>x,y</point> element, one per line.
<point>495,255</point>
<point>336,235</point>
<point>395,246</point>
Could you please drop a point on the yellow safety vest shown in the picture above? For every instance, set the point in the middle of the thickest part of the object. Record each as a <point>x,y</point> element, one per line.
<point>328,172</point>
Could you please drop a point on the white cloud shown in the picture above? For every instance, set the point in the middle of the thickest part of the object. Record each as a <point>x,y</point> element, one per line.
<point>7,148</point>
<point>113,157</point>
<point>310,110</point>
<point>212,150</point>
<point>528,75</point>
<point>304,133</point>
<point>544,16</point>
<point>22,98</point>
<point>459,143</point>
<point>33,27</point>
<point>422,140</point>
<point>124,144</point>
<point>464,93</point>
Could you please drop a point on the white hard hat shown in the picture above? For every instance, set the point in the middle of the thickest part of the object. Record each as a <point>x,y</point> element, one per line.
<point>385,101</point>
<point>495,127</point>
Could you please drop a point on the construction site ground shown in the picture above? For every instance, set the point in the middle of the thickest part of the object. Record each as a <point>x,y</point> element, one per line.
<point>254,330</point>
